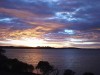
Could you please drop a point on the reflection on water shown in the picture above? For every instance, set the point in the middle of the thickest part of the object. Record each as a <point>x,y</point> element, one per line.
<point>77,60</point>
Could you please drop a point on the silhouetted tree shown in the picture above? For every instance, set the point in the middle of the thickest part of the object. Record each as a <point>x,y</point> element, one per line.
<point>69,72</point>
<point>2,58</point>
<point>88,73</point>
<point>14,66</point>
<point>45,68</point>
<point>18,66</point>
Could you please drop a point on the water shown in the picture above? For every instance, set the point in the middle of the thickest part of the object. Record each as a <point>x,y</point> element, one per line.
<point>78,60</point>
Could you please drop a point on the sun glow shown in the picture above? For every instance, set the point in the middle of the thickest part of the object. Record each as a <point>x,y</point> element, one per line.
<point>29,42</point>
<point>34,42</point>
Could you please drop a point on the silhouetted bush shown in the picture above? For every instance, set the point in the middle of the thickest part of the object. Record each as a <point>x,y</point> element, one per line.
<point>88,73</point>
<point>46,68</point>
<point>69,72</point>
<point>18,67</point>
<point>3,59</point>
<point>14,65</point>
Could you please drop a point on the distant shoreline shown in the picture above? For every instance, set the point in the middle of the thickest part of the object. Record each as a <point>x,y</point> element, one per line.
<point>12,47</point>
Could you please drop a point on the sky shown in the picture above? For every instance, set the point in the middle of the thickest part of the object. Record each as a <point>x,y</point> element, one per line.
<point>55,23</point>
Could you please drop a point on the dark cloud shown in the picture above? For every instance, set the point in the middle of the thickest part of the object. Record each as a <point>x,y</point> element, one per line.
<point>52,20</point>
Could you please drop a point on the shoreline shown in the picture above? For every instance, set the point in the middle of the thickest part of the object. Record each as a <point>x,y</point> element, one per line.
<point>12,47</point>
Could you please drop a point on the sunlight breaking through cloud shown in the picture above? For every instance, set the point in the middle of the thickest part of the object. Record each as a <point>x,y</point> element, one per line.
<point>57,22</point>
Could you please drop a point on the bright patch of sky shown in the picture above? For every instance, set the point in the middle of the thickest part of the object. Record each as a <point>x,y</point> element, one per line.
<point>6,20</point>
<point>48,1</point>
<point>68,16</point>
<point>67,31</point>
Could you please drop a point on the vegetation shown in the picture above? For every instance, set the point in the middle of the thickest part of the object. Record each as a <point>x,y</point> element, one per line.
<point>16,67</point>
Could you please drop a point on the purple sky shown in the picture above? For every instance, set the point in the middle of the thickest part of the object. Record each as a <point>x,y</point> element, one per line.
<point>57,23</point>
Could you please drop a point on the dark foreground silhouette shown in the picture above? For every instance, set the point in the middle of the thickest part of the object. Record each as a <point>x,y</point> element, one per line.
<point>69,72</point>
<point>45,68</point>
<point>88,73</point>
<point>16,67</point>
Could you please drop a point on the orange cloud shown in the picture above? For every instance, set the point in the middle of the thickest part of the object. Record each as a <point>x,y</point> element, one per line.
<point>38,31</point>
<point>40,28</point>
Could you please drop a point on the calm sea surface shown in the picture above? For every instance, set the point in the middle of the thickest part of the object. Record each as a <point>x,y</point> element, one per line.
<point>78,60</point>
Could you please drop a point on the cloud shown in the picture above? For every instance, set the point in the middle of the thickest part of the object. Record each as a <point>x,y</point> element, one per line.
<point>52,20</point>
